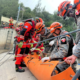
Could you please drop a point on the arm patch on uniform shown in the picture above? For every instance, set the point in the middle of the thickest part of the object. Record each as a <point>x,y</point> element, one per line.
<point>63,41</point>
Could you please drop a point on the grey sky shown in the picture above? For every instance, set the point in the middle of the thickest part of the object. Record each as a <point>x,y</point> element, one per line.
<point>50,5</point>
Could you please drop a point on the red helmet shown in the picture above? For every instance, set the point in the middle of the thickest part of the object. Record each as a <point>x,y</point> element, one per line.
<point>31,22</point>
<point>54,26</point>
<point>30,26</point>
<point>39,26</point>
<point>21,24</point>
<point>27,26</point>
<point>77,4</point>
<point>39,20</point>
<point>17,29</point>
<point>63,8</point>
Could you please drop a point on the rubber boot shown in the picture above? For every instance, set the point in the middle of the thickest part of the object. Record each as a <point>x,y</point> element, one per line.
<point>19,69</point>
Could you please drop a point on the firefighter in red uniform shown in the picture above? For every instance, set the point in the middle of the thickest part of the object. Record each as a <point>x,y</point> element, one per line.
<point>39,20</point>
<point>39,49</point>
<point>35,39</point>
<point>18,29</point>
<point>25,36</point>
<point>11,23</point>
<point>21,26</point>
<point>15,42</point>
<point>23,46</point>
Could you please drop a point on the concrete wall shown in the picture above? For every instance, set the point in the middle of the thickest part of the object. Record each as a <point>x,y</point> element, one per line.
<point>3,37</point>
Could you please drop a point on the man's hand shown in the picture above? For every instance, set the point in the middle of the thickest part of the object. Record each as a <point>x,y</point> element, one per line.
<point>51,42</point>
<point>45,58</point>
<point>33,49</point>
<point>71,59</point>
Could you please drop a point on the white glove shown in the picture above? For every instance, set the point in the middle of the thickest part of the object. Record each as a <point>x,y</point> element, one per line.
<point>74,48</point>
<point>45,58</point>
<point>33,49</point>
<point>51,42</point>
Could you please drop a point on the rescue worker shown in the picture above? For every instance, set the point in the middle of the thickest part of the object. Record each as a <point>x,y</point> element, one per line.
<point>21,25</point>
<point>63,48</point>
<point>25,37</point>
<point>75,13</point>
<point>11,23</point>
<point>44,34</point>
<point>76,49</point>
<point>39,49</point>
<point>39,20</point>
<point>15,43</point>
<point>23,46</point>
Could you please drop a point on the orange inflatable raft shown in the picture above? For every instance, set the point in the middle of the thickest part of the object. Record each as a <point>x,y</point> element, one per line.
<point>42,70</point>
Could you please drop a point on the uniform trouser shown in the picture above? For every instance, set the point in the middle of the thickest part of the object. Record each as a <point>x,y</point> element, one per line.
<point>78,27</point>
<point>20,55</point>
<point>63,66</point>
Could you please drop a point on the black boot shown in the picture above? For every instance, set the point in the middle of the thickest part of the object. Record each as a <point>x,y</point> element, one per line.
<point>19,69</point>
<point>22,64</point>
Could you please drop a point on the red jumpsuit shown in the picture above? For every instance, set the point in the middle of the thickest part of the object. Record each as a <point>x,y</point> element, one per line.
<point>15,42</point>
<point>11,23</point>
<point>23,45</point>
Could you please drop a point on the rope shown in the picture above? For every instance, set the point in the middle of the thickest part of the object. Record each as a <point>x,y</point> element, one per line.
<point>54,37</point>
